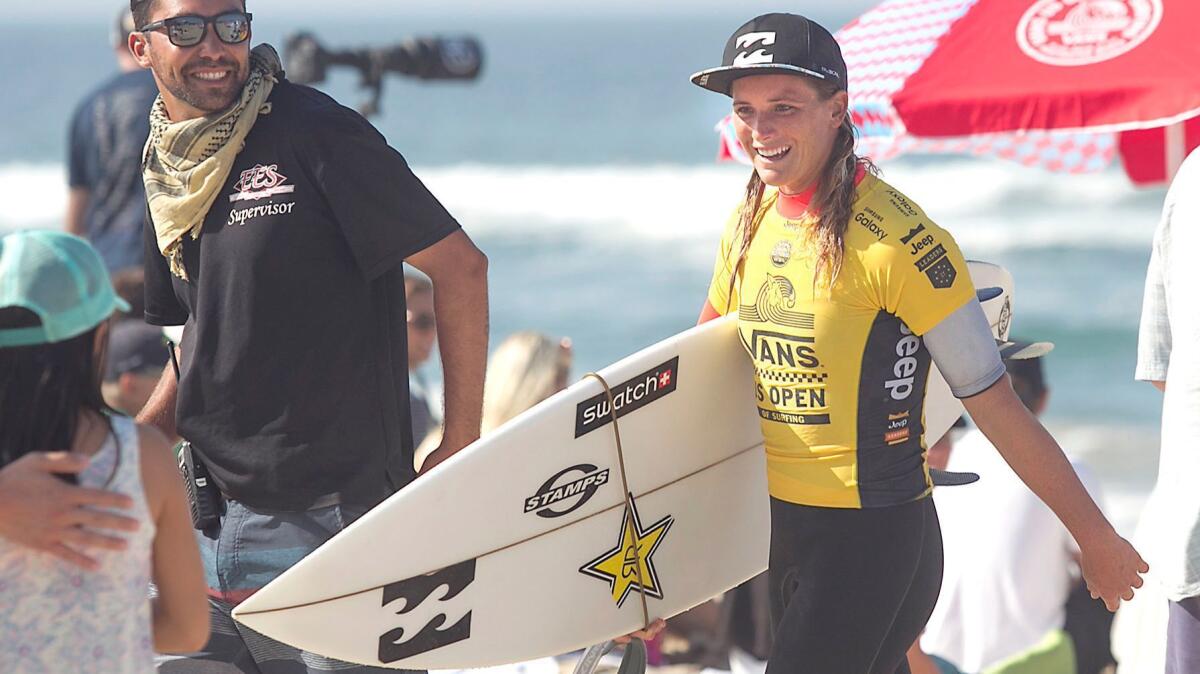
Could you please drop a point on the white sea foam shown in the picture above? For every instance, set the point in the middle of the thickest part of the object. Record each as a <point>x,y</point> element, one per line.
<point>32,195</point>
<point>989,206</point>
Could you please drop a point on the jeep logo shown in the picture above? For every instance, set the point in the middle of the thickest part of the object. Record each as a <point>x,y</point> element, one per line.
<point>906,365</point>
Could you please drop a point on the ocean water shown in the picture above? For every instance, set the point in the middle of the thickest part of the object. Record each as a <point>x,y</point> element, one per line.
<point>582,163</point>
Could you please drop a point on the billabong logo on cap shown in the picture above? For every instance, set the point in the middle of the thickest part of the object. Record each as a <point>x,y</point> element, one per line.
<point>757,56</point>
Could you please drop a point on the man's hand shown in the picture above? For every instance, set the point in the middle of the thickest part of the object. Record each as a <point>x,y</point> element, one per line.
<point>458,271</point>
<point>40,511</point>
<point>446,449</point>
<point>1111,568</point>
<point>645,635</point>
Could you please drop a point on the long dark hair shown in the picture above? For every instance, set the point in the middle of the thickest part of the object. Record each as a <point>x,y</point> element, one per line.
<point>44,387</point>
<point>834,200</point>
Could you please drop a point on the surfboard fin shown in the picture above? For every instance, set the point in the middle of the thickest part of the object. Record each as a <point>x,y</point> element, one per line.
<point>591,658</point>
<point>635,659</point>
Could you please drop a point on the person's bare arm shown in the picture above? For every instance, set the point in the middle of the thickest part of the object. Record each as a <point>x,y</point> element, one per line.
<point>180,611</point>
<point>707,313</point>
<point>40,511</point>
<point>458,271</point>
<point>919,662</point>
<point>1160,385</point>
<point>77,201</point>
<point>159,410</point>
<point>1110,564</point>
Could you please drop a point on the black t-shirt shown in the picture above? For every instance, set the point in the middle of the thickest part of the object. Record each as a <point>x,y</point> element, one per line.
<point>107,134</point>
<point>295,377</point>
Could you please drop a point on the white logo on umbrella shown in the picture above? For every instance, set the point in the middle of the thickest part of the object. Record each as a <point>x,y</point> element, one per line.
<point>1082,32</point>
<point>757,56</point>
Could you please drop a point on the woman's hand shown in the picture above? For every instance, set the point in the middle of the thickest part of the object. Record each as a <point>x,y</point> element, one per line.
<point>1111,568</point>
<point>647,634</point>
<point>40,511</point>
<point>1109,563</point>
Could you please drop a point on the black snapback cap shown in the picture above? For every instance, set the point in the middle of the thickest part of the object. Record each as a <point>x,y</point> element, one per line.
<point>776,44</point>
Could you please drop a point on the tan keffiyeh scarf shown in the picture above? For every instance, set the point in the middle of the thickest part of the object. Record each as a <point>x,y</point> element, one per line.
<point>185,163</point>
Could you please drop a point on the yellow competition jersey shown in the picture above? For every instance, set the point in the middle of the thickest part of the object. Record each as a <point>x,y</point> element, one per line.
<point>840,374</point>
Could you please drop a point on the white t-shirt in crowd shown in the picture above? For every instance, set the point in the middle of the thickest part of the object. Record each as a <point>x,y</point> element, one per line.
<point>1169,350</point>
<point>1010,563</point>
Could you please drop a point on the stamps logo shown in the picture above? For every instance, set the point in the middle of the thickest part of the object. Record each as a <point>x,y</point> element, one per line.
<point>415,592</point>
<point>577,482</point>
<point>260,182</point>
<point>1082,32</point>
<point>1005,319</point>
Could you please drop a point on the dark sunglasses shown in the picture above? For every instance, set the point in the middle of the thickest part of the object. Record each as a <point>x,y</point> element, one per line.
<point>189,30</point>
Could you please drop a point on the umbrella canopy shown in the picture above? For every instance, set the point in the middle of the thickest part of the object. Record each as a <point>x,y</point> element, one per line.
<point>1052,83</point>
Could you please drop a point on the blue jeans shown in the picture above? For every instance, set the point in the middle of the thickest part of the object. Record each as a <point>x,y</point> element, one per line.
<point>250,549</point>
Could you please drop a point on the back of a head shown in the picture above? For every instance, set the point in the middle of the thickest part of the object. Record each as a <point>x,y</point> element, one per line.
<point>1028,380</point>
<point>525,369</point>
<point>130,284</point>
<point>122,26</point>
<point>54,295</point>
<point>416,285</point>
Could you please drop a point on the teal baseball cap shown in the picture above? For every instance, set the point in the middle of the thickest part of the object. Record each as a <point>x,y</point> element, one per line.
<point>58,277</point>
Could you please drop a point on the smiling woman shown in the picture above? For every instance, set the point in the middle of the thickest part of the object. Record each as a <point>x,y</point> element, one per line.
<point>842,325</point>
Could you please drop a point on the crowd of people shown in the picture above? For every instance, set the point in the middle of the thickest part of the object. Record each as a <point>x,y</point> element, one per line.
<point>313,275</point>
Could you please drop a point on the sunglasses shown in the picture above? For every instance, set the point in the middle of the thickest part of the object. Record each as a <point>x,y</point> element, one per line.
<point>422,322</point>
<point>190,30</point>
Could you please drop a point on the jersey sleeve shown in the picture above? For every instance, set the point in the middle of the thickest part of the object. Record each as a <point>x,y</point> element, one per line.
<point>1154,329</point>
<point>162,304</point>
<point>384,211</point>
<point>718,288</point>
<point>922,278</point>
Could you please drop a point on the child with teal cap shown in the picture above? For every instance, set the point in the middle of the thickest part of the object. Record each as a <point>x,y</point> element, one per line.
<point>77,599</point>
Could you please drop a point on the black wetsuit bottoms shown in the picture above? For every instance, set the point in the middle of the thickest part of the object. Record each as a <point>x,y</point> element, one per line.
<point>851,589</point>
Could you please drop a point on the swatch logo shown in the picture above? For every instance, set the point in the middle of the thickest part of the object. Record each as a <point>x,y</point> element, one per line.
<point>628,396</point>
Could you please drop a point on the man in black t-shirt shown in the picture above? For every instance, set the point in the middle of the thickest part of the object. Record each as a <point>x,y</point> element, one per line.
<point>288,279</point>
<point>109,128</point>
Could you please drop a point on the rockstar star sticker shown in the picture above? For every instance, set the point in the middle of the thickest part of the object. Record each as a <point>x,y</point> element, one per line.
<point>635,546</point>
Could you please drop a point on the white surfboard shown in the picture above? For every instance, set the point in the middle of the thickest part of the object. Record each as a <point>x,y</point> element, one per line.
<point>518,546</point>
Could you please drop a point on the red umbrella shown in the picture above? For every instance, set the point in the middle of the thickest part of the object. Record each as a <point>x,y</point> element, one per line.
<point>1063,84</point>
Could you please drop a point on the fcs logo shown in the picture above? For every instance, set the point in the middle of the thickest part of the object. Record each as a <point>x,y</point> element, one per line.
<point>415,592</point>
<point>260,182</point>
<point>749,57</point>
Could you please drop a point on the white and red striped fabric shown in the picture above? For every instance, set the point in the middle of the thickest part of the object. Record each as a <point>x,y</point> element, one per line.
<point>1067,85</point>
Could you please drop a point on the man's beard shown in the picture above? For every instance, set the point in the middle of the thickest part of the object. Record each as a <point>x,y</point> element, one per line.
<point>205,97</point>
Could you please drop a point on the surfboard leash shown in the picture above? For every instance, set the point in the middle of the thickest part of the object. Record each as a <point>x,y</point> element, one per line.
<point>637,553</point>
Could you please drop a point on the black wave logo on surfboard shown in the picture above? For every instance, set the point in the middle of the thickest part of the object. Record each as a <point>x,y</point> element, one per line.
<point>414,592</point>
<point>628,396</point>
<point>579,482</point>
